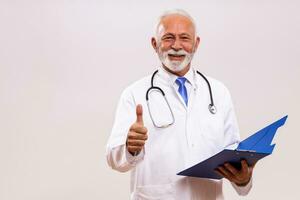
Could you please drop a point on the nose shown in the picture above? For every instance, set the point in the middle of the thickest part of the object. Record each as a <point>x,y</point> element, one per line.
<point>176,45</point>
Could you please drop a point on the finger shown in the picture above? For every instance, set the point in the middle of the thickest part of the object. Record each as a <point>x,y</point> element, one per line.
<point>132,142</point>
<point>138,128</point>
<point>245,167</point>
<point>137,136</point>
<point>221,174</point>
<point>139,114</point>
<point>134,149</point>
<point>231,168</point>
<point>226,173</point>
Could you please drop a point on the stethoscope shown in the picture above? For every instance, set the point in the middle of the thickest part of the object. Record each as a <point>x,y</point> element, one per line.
<point>211,107</point>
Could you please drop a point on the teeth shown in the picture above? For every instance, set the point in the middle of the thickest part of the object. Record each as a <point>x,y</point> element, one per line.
<point>175,55</point>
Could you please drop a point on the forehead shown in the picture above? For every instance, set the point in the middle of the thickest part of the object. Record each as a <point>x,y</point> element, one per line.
<point>176,24</point>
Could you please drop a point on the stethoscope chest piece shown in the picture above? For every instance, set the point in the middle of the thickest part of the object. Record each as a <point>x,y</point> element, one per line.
<point>212,109</point>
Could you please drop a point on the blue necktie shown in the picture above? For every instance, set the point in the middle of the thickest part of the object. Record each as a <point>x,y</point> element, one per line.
<point>182,89</point>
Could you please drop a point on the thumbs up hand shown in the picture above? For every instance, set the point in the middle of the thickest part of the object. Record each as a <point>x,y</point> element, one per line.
<point>137,134</point>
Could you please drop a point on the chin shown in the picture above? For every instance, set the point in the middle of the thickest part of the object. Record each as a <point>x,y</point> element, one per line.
<point>176,69</point>
<point>178,66</point>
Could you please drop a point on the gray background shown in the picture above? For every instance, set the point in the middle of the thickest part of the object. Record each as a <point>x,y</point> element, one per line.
<point>63,65</point>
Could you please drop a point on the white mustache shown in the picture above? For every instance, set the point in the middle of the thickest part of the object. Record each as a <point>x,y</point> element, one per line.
<point>177,53</point>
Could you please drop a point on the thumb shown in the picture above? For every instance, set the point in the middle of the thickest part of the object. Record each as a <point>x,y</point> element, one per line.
<point>139,114</point>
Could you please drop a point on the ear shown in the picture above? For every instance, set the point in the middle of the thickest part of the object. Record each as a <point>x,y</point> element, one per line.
<point>154,44</point>
<point>197,43</point>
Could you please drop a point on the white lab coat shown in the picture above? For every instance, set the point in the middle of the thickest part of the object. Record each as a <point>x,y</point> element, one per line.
<point>195,136</point>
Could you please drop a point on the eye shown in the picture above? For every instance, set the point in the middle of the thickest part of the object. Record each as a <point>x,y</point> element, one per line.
<point>168,38</point>
<point>185,38</point>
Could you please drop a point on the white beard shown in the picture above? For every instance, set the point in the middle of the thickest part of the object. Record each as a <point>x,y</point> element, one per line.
<point>175,66</point>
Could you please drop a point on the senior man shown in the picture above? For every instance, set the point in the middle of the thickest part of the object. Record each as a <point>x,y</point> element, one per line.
<point>177,128</point>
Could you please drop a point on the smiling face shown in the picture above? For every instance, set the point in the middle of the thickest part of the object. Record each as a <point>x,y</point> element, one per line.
<point>176,43</point>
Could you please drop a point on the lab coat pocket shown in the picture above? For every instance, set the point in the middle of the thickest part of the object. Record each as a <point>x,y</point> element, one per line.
<point>155,192</point>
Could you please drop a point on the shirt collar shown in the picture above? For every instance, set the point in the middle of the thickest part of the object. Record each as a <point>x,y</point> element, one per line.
<point>171,78</point>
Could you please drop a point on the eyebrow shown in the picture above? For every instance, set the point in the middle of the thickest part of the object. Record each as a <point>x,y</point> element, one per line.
<point>168,34</point>
<point>171,34</point>
<point>185,34</point>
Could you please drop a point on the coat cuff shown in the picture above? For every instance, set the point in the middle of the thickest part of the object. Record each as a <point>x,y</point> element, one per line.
<point>243,190</point>
<point>133,159</point>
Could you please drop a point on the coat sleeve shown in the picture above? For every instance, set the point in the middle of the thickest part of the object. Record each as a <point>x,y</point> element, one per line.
<point>232,136</point>
<point>118,158</point>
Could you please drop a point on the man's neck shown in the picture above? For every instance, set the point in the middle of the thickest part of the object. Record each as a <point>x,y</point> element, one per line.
<point>179,73</point>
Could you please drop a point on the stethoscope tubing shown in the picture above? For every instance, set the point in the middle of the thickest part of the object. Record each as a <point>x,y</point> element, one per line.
<point>211,106</point>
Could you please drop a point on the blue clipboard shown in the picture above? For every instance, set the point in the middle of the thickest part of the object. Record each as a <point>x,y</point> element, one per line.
<point>252,149</point>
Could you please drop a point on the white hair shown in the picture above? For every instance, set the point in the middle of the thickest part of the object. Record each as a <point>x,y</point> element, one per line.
<point>174,12</point>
